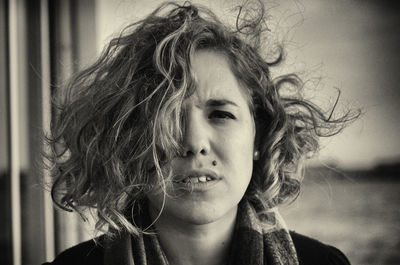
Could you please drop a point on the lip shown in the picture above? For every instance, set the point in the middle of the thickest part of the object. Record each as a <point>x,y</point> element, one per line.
<point>196,186</point>
<point>195,174</point>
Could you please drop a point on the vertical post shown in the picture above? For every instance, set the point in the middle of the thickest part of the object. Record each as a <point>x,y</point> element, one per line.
<point>5,145</point>
<point>46,119</point>
<point>14,131</point>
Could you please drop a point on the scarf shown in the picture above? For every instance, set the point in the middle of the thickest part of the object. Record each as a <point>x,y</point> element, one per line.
<point>260,238</point>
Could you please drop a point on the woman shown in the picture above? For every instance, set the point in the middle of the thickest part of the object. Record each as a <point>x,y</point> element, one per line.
<point>184,145</point>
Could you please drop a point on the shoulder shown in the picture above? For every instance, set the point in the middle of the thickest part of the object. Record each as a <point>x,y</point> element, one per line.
<point>311,251</point>
<point>89,253</point>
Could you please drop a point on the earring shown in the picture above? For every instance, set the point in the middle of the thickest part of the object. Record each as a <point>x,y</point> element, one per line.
<point>214,163</point>
<point>256,155</point>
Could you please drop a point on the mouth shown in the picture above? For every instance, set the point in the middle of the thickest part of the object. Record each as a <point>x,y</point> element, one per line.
<point>195,176</point>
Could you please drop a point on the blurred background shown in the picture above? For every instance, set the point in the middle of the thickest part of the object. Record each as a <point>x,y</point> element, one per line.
<point>351,192</point>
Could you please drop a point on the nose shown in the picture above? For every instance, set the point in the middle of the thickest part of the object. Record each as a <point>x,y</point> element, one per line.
<point>196,136</point>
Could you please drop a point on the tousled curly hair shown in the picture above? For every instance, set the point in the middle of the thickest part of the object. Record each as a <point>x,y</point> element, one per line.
<point>120,120</point>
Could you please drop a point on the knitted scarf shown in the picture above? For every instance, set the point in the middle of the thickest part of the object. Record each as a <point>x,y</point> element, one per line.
<point>260,238</point>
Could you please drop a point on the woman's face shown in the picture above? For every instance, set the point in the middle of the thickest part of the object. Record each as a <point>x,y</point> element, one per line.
<point>220,128</point>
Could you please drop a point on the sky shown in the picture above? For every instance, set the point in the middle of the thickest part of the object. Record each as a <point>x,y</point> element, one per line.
<point>351,45</point>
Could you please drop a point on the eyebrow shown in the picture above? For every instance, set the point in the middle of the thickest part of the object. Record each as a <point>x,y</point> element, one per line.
<point>219,102</point>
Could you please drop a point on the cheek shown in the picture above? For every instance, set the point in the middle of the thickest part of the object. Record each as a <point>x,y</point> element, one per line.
<point>238,142</point>
<point>244,160</point>
<point>236,151</point>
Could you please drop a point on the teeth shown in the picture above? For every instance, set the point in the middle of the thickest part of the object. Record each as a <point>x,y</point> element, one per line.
<point>194,180</point>
<point>191,179</point>
<point>202,179</point>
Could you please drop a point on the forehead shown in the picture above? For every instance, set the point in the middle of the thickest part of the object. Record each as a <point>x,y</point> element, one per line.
<point>214,79</point>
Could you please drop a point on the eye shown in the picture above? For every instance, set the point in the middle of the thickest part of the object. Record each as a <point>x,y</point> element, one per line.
<point>221,115</point>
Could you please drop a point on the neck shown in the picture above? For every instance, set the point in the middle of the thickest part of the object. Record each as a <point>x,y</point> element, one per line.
<point>196,244</point>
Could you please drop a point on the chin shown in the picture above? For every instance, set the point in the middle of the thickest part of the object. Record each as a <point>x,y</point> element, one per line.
<point>197,208</point>
<point>200,213</point>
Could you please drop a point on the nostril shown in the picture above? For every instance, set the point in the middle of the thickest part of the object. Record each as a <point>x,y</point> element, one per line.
<point>189,153</point>
<point>186,153</point>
